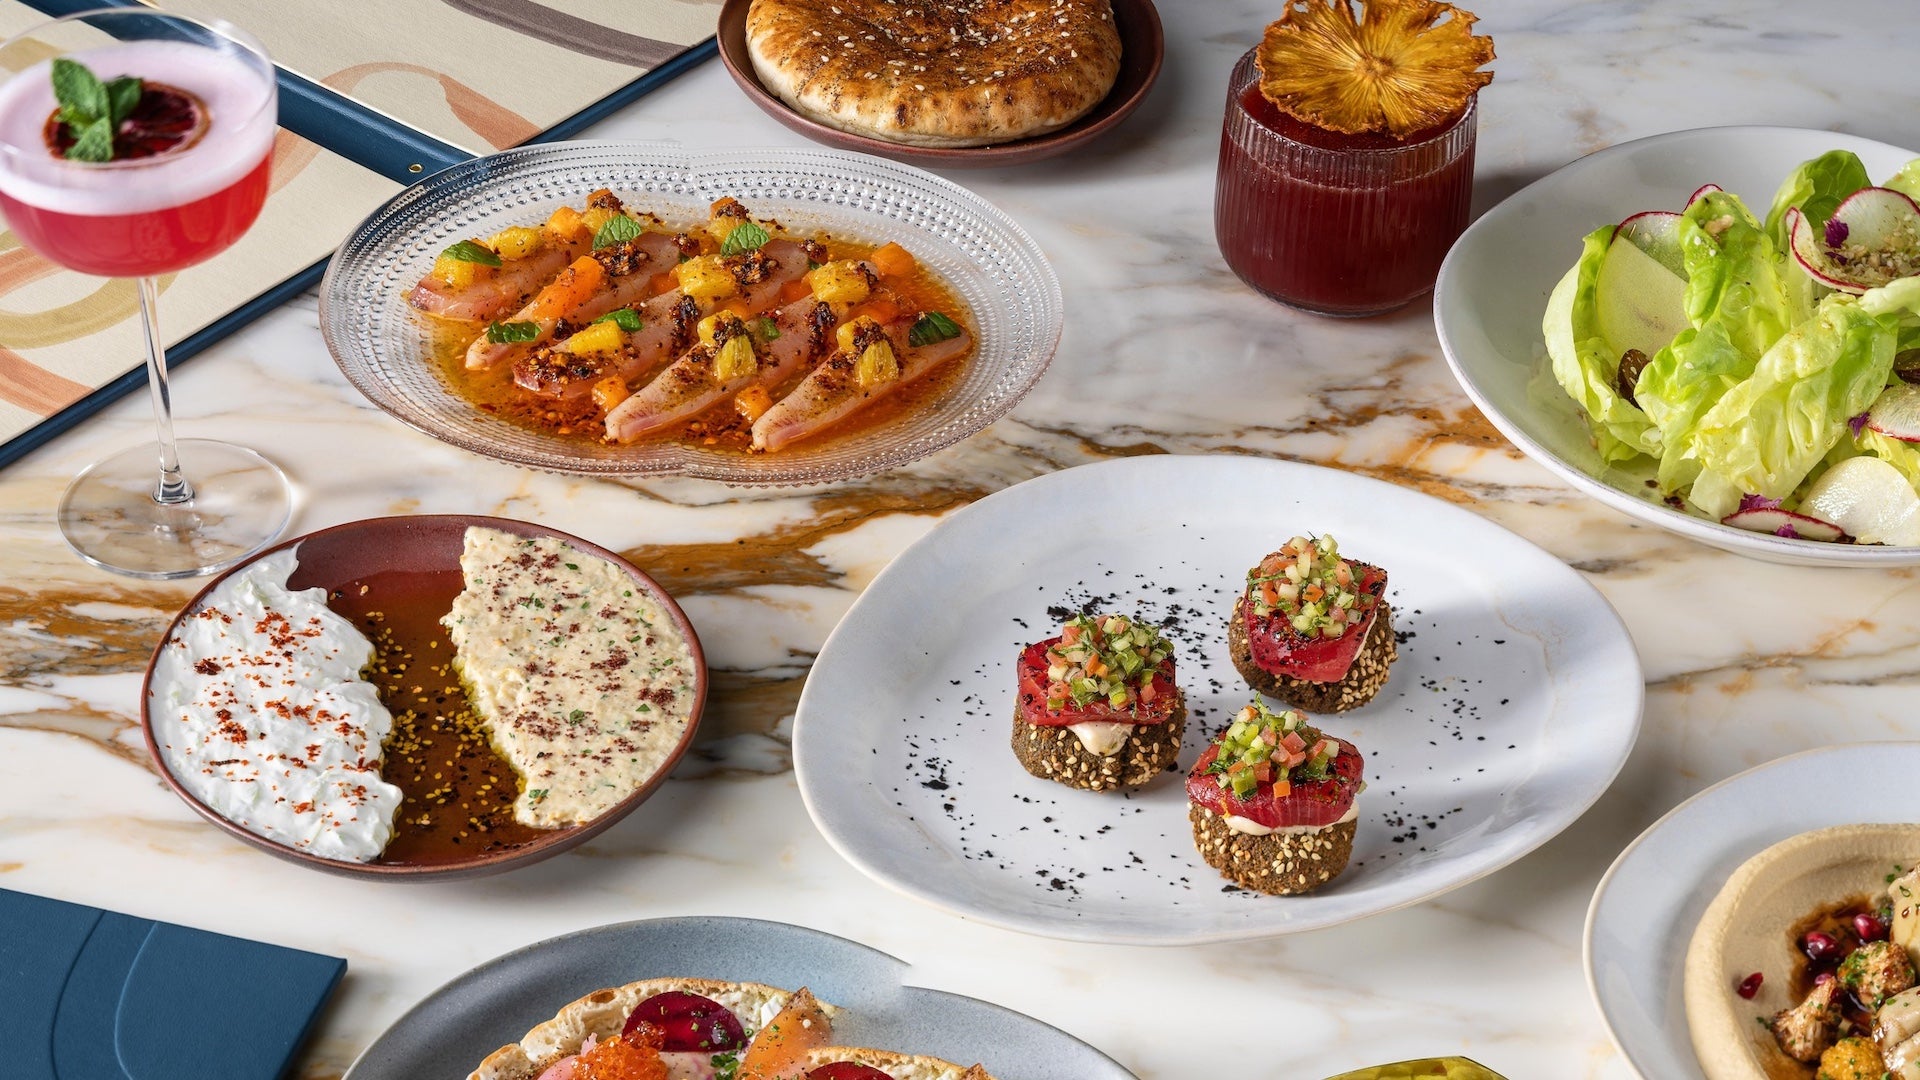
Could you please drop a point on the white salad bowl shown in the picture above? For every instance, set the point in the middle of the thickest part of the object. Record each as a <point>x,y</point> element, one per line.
<point>1493,289</point>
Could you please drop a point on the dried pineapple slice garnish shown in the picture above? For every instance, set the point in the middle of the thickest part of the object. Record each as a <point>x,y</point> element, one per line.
<point>1391,70</point>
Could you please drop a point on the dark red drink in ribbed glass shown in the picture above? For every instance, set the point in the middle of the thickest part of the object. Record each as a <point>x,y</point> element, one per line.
<point>1337,224</point>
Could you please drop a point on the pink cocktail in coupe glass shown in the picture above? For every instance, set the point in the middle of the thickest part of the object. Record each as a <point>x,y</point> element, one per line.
<point>187,175</point>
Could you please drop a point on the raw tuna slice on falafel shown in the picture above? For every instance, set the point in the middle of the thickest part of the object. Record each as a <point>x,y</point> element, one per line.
<point>1098,708</point>
<point>1272,802</point>
<point>1313,629</point>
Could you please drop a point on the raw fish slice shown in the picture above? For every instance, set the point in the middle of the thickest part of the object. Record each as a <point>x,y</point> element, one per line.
<point>833,391</point>
<point>501,291</point>
<point>667,323</point>
<point>689,387</point>
<point>617,277</point>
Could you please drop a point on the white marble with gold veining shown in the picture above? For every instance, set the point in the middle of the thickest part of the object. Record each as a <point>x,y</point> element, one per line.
<point>1164,351</point>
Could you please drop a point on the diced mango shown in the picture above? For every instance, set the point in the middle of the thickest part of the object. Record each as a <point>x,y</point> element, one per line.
<point>844,335</point>
<point>565,223</point>
<point>753,402</point>
<point>603,337</point>
<point>457,273</point>
<point>708,326</point>
<point>706,277</point>
<point>842,282</point>
<point>597,216</point>
<point>893,260</point>
<point>725,216</point>
<point>609,392</point>
<point>517,242</point>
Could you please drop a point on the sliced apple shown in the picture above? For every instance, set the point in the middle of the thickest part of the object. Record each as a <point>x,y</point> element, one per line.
<point>1639,302</point>
<point>1870,499</point>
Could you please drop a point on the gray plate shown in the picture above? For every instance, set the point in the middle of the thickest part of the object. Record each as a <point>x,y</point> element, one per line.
<point>458,1025</point>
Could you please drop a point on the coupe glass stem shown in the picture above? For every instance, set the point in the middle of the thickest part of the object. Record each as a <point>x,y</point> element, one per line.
<point>173,486</point>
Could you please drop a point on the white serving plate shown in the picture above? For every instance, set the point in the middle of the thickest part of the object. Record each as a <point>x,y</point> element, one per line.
<point>1494,284</point>
<point>1646,907</point>
<point>1510,710</point>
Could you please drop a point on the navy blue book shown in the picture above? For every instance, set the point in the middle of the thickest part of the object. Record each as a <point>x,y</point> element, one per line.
<point>87,994</point>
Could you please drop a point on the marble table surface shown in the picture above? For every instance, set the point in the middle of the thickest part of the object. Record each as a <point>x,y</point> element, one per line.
<point>1165,352</point>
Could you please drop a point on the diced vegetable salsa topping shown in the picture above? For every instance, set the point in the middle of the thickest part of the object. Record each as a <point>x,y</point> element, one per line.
<point>1100,668</point>
<point>1309,584</point>
<point>1265,747</point>
<point>1277,770</point>
<point>1106,658</point>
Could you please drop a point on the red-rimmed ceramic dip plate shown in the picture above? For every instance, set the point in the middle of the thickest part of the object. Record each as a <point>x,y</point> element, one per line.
<point>394,578</point>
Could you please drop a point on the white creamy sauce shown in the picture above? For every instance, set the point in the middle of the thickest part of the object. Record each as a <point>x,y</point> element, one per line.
<point>583,678</point>
<point>260,712</point>
<point>1103,737</point>
<point>1253,828</point>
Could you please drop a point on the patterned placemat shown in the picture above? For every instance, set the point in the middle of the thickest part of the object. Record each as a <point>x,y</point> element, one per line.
<point>463,76</point>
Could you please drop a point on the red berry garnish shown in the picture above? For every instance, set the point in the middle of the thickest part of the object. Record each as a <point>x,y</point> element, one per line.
<point>1750,985</point>
<point>1820,946</point>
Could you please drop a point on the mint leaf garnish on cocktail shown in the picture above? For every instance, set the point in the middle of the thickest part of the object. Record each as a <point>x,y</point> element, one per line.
<point>92,110</point>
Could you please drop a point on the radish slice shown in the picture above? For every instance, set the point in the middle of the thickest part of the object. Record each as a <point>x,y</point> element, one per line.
<point>1783,523</point>
<point>1703,190</point>
<point>1872,238</point>
<point>1869,498</point>
<point>1657,234</point>
<point>1896,413</point>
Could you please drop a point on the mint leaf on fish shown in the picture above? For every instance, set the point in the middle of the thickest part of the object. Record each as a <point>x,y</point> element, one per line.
<point>512,333</point>
<point>625,318</point>
<point>766,328</point>
<point>618,230</point>
<point>473,252</point>
<point>931,327</point>
<point>745,237</point>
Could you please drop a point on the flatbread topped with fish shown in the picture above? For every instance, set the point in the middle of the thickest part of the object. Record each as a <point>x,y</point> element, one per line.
<point>864,1063</point>
<point>695,1026</point>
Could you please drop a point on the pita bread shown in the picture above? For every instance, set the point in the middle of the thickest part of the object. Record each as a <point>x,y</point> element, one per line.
<point>898,1066</point>
<point>939,74</point>
<point>604,1012</point>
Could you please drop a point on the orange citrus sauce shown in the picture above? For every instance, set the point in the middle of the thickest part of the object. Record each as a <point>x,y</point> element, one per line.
<point>721,426</point>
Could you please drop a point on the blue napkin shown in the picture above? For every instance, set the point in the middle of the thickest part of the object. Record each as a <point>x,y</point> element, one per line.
<point>87,994</point>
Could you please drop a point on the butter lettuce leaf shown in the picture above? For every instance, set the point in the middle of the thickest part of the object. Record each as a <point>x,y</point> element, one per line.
<point>1907,180</point>
<point>1904,456</point>
<point>1766,434</point>
<point>1816,187</point>
<point>1585,365</point>
<point>1739,303</point>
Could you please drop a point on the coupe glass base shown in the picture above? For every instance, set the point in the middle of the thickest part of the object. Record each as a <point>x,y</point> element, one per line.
<point>241,503</point>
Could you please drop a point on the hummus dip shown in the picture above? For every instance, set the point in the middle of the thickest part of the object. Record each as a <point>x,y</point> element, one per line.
<point>1749,927</point>
<point>583,678</point>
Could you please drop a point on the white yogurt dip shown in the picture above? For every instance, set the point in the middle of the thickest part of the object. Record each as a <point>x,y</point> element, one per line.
<point>259,711</point>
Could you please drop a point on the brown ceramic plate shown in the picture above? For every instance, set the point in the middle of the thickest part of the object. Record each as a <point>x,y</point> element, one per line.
<point>1142,50</point>
<point>403,563</point>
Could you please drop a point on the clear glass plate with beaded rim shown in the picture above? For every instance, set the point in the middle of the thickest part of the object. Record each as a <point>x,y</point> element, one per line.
<point>385,347</point>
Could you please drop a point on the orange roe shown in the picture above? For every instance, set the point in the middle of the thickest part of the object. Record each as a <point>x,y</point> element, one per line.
<point>633,1056</point>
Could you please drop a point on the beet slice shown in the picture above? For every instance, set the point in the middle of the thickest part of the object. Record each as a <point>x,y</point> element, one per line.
<point>689,1022</point>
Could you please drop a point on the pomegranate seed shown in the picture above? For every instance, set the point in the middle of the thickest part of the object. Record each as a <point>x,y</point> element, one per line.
<point>1820,946</point>
<point>1823,978</point>
<point>1870,927</point>
<point>1750,986</point>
